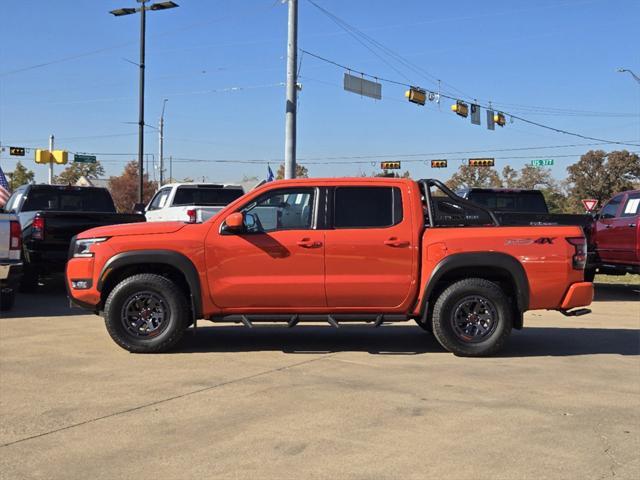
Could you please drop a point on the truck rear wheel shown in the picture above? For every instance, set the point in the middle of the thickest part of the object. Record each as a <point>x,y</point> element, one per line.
<point>146,313</point>
<point>472,317</point>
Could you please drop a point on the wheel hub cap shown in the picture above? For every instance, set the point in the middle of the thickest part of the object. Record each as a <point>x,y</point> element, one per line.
<point>474,319</point>
<point>144,314</point>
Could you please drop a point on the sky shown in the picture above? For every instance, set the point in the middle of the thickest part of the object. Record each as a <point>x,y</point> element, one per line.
<point>69,68</point>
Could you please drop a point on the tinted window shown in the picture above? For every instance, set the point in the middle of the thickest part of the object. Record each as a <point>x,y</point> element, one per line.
<point>160,199</point>
<point>289,209</point>
<point>362,207</point>
<point>631,208</point>
<point>13,201</point>
<point>532,202</point>
<point>68,199</point>
<point>611,208</point>
<point>208,196</point>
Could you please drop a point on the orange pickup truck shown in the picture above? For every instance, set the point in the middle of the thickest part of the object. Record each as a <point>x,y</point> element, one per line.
<point>332,250</point>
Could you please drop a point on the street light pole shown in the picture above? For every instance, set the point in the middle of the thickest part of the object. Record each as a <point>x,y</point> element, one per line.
<point>292,79</point>
<point>161,139</point>
<point>128,11</point>
<point>622,70</point>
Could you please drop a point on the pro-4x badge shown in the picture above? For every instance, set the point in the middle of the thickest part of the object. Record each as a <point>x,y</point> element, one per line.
<point>543,240</point>
<point>529,241</point>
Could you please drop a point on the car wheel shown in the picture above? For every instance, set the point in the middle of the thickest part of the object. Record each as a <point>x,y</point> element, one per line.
<point>146,313</point>
<point>7,299</point>
<point>472,317</point>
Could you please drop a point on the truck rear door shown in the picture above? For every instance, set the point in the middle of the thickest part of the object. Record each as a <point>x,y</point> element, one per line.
<point>369,255</point>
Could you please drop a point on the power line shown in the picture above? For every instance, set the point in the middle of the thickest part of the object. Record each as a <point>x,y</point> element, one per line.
<point>513,116</point>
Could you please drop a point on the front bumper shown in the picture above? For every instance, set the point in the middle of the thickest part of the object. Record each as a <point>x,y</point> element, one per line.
<point>579,295</point>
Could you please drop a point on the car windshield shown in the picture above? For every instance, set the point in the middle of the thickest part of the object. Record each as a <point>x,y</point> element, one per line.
<point>207,196</point>
<point>69,199</point>
<point>532,202</point>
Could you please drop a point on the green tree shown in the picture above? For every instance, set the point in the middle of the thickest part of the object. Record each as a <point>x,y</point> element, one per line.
<point>75,170</point>
<point>509,177</point>
<point>124,188</point>
<point>600,175</point>
<point>478,177</point>
<point>391,174</point>
<point>301,171</point>
<point>20,176</point>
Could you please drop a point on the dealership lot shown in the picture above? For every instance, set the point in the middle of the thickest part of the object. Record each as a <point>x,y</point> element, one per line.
<point>562,401</point>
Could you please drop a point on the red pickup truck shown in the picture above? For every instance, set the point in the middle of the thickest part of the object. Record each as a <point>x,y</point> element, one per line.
<point>615,233</point>
<point>332,250</point>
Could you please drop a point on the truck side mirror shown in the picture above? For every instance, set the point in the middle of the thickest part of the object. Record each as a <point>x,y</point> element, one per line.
<point>235,222</point>
<point>139,208</point>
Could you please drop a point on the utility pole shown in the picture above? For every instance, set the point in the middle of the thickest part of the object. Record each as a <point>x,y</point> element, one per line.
<point>292,80</point>
<point>51,159</point>
<point>141,105</point>
<point>171,168</point>
<point>161,139</point>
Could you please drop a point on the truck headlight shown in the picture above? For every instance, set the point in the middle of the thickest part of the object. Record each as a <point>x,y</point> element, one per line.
<point>82,247</point>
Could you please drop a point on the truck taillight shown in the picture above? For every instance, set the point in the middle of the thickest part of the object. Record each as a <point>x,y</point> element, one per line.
<point>15,235</point>
<point>37,228</point>
<point>579,259</point>
<point>192,213</point>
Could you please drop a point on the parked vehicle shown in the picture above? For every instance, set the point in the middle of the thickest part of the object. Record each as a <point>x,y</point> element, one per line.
<point>616,236</point>
<point>184,202</point>
<point>10,261</point>
<point>50,215</point>
<point>514,206</point>
<point>337,250</point>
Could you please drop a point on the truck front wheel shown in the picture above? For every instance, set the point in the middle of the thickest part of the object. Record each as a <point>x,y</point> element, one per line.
<point>146,313</point>
<point>472,317</point>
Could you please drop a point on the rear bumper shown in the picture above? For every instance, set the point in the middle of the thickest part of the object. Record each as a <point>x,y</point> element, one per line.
<point>10,274</point>
<point>579,295</point>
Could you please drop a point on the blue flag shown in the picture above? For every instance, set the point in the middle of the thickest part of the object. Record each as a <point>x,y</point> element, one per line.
<point>270,175</point>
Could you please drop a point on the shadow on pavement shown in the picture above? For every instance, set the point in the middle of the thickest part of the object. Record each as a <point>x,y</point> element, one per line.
<point>616,292</point>
<point>530,342</point>
<point>48,300</point>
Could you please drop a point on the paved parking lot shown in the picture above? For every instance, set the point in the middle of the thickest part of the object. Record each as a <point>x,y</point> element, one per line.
<point>563,401</point>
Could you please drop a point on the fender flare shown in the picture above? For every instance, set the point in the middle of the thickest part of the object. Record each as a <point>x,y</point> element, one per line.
<point>491,260</point>
<point>164,257</point>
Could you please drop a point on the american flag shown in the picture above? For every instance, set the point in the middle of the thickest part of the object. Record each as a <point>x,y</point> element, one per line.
<point>4,189</point>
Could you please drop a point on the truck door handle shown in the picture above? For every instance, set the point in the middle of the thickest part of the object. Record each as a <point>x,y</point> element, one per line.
<point>631,225</point>
<point>394,242</point>
<point>607,226</point>
<point>308,243</point>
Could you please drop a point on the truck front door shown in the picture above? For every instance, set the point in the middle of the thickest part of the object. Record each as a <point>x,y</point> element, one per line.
<point>369,248</point>
<point>277,262</point>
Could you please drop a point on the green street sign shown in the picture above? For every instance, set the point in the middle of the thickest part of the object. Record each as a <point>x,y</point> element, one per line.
<point>84,158</point>
<point>542,162</point>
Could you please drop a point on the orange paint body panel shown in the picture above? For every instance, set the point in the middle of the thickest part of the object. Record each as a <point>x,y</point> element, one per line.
<point>334,270</point>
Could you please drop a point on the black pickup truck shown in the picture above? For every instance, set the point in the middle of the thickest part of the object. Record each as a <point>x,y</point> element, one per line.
<point>515,207</point>
<point>50,216</point>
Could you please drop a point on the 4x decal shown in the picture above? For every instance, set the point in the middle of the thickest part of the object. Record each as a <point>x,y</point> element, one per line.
<point>530,241</point>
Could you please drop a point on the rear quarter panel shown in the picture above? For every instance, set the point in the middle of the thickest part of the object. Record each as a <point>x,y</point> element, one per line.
<point>543,252</point>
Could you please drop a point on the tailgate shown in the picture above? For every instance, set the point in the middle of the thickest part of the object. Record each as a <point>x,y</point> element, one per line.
<point>4,236</point>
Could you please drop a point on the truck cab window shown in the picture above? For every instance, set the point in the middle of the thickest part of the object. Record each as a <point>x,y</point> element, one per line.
<point>160,199</point>
<point>611,208</point>
<point>289,209</point>
<point>367,207</point>
<point>631,207</point>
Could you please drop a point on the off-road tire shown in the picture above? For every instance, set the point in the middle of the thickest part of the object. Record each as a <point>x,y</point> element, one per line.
<point>443,316</point>
<point>177,307</point>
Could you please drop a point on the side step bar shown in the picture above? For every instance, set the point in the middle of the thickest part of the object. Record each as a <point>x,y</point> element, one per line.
<point>335,320</point>
<point>575,313</point>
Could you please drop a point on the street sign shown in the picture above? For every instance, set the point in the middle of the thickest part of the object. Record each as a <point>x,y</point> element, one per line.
<point>542,162</point>
<point>589,204</point>
<point>16,151</point>
<point>362,86</point>
<point>84,158</point>
<point>475,114</point>
<point>491,125</point>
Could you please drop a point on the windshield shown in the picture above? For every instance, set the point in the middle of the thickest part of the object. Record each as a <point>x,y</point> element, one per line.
<point>68,199</point>
<point>207,196</point>
<point>532,202</point>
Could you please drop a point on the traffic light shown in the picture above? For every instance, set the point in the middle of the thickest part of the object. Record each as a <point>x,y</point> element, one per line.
<point>416,95</point>
<point>61,157</point>
<point>438,164</point>
<point>481,162</point>
<point>460,108</point>
<point>390,165</point>
<point>43,156</point>
<point>499,118</point>
<point>17,151</point>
